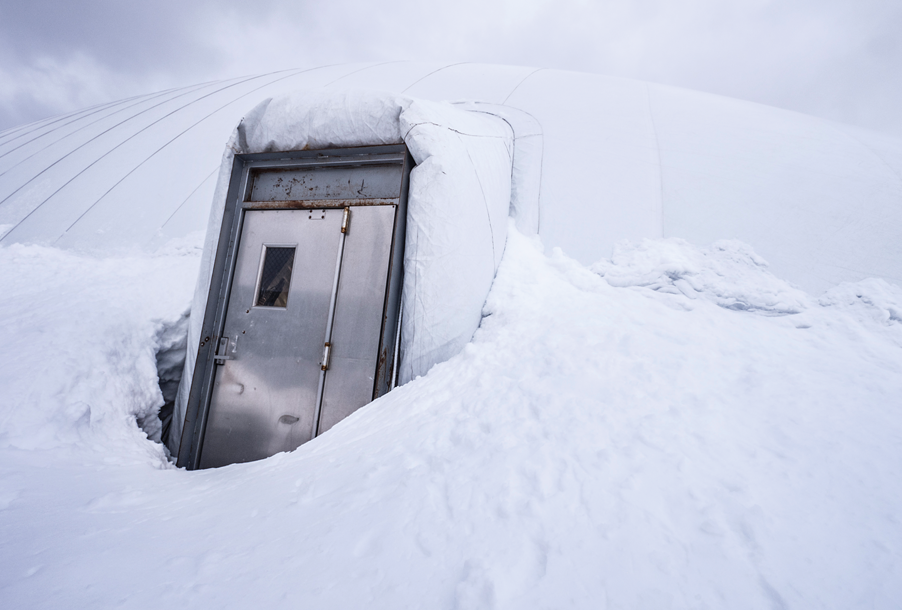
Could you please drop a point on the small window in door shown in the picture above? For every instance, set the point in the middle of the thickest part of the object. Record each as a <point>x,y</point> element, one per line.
<point>275,277</point>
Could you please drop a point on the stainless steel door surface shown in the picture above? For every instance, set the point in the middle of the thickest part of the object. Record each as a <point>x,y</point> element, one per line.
<point>359,312</point>
<point>301,321</point>
<point>263,400</point>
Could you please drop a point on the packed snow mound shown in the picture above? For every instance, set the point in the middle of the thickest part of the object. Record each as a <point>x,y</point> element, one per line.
<point>593,446</point>
<point>728,273</point>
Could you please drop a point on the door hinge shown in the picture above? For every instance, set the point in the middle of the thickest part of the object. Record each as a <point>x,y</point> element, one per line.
<point>346,220</point>
<point>327,356</point>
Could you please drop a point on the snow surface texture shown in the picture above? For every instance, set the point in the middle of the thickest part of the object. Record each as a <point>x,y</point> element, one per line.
<point>458,205</point>
<point>728,273</point>
<point>605,441</point>
<point>81,336</point>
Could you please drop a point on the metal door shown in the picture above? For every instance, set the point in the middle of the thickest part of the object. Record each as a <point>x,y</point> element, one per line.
<point>278,384</point>
<point>265,389</point>
<point>302,317</point>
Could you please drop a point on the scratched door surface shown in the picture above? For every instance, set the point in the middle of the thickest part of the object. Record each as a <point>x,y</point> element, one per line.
<point>271,354</point>
<point>264,396</point>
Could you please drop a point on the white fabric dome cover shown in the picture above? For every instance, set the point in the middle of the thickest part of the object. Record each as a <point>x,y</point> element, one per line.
<point>621,159</point>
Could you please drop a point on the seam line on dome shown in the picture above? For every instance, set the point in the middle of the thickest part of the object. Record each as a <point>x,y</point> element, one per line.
<point>192,126</point>
<point>517,86</point>
<point>24,218</point>
<point>436,71</point>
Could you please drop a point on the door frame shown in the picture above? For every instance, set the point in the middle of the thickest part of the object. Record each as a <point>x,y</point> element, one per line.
<point>236,205</point>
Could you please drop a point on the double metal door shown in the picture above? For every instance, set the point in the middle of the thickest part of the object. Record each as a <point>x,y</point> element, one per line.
<point>300,343</point>
<point>301,322</point>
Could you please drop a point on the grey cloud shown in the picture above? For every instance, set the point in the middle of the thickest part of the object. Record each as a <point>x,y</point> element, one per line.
<point>833,58</point>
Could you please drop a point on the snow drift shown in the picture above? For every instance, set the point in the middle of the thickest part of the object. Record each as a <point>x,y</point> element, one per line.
<point>604,441</point>
<point>674,426</point>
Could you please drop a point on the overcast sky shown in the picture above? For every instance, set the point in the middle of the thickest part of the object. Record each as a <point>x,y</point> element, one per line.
<point>840,59</point>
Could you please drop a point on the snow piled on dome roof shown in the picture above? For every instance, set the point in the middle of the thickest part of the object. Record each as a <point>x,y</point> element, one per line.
<point>608,437</point>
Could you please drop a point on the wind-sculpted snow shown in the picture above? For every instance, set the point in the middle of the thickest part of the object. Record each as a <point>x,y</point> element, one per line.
<point>873,301</point>
<point>599,444</point>
<point>728,273</point>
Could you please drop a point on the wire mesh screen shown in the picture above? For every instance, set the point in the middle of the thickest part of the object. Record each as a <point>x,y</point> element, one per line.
<point>275,277</point>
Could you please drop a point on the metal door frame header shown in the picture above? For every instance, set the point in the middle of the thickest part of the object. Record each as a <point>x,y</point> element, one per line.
<point>257,163</point>
<point>237,203</point>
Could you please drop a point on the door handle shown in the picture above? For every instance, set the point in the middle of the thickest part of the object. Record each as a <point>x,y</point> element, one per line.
<point>226,349</point>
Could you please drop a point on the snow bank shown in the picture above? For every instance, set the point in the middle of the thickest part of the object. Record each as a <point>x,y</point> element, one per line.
<point>458,205</point>
<point>80,344</point>
<point>593,446</point>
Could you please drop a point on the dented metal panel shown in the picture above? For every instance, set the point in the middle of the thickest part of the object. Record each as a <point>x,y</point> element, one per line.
<point>274,370</point>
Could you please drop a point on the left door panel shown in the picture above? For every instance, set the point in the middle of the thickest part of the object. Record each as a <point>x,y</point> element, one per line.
<point>263,398</point>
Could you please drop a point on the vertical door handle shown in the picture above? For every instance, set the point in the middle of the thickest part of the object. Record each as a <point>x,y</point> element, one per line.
<point>226,349</point>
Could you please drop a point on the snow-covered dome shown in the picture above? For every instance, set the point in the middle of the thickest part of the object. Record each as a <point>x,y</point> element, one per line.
<point>622,159</point>
<point>673,426</point>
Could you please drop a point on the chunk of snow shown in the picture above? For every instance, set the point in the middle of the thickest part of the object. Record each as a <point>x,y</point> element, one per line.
<point>593,445</point>
<point>872,302</point>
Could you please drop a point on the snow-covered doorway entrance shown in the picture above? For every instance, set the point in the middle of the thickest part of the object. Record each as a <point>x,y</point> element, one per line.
<point>302,315</point>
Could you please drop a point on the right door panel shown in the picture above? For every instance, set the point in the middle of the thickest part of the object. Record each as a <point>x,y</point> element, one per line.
<point>359,313</point>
